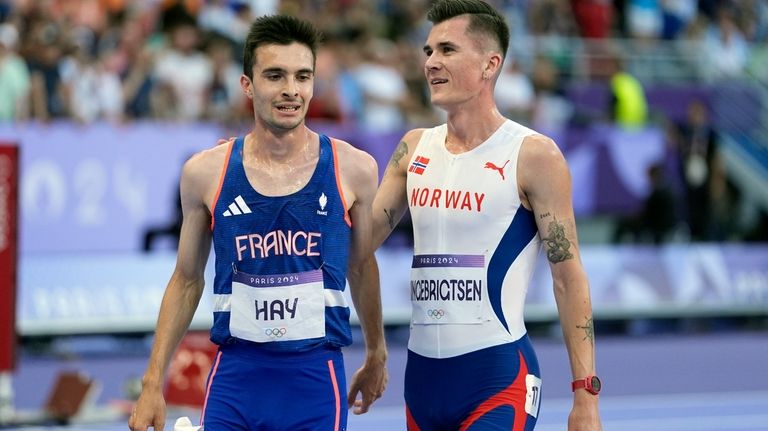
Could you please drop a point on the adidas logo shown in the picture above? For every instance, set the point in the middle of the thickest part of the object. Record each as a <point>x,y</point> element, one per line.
<point>237,207</point>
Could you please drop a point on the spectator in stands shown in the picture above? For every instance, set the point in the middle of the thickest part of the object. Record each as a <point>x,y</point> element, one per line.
<point>644,19</point>
<point>514,92</point>
<point>676,16</point>
<point>594,18</point>
<point>552,18</point>
<point>628,107</point>
<point>183,73</point>
<point>657,218</point>
<point>217,16</point>
<point>134,63</point>
<point>552,111</point>
<point>14,77</point>
<point>383,87</point>
<point>44,53</point>
<point>700,167</point>
<point>94,89</point>
<point>327,101</point>
<point>726,50</point>
<point>224,98</point>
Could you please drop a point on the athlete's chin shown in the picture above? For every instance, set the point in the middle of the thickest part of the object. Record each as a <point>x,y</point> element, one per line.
<point>287,125</point>
<point>440,102</point>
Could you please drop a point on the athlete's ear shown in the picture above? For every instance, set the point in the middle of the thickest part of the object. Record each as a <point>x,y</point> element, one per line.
<point>492,65</point>
<point>247,85</point>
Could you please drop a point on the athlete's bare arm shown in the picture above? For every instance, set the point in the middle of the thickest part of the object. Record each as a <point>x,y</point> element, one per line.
<point>199,181</point>
<point>545,187</point>
<point>359,175</point>
<point>391,198</point>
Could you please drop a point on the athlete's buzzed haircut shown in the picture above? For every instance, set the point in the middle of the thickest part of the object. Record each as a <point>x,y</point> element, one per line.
<point>278,30</point>
<point>483,18</point>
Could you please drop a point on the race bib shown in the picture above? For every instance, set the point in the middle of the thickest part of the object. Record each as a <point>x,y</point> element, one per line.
<point>447,289</point>
<point>532,394</point>
<point>279,307</point>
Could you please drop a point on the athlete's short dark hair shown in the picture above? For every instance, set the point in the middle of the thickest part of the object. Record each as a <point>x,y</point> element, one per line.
<point>483,18</point>
<point>279,30</point>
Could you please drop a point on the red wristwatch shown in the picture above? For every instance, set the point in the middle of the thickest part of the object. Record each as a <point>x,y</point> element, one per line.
<point>592,384</point>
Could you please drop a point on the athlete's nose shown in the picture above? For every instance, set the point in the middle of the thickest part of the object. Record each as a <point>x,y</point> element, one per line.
<point>291,88</point>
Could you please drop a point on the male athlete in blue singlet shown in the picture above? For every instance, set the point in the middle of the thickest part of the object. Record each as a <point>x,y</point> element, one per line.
<point>484,193</point>
<point>289,213</point>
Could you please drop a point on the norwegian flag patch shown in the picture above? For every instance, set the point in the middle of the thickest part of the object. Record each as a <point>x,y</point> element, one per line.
<point>419,165</point>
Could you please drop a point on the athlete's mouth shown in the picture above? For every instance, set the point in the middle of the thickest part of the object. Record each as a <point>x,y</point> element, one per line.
<point>291,108</point>
<point>437,81</point>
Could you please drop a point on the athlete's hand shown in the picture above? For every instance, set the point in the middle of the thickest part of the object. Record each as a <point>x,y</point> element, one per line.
<point>149,411</point>
<point>369,381</point>
<point>222,141</point>
<point>584,415</point>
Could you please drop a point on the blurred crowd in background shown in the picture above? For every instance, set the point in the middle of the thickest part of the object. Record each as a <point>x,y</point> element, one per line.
<point>180,60</point>
<point>118,60</point>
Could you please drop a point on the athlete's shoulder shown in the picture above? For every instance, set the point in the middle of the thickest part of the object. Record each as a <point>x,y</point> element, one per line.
<point>542,148</point>
<point>354,161</point>
<point>207,164</point>
<point>538,154</point>
<point>413,136</point>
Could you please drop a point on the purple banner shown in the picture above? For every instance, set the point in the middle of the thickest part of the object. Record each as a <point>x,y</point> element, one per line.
<point>103,188</point>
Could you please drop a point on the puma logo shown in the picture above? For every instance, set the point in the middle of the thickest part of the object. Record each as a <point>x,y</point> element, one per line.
<point>490,165</point>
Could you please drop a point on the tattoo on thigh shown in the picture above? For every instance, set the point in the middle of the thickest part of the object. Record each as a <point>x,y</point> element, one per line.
<point>557,244</point>
<point>589,330</point>
<point>400,152</point>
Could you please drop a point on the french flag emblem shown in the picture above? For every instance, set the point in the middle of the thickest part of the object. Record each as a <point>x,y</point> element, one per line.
<point>419,165</point>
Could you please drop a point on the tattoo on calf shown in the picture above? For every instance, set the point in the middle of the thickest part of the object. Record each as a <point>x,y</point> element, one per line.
<point>557,244</point>
<point>400,152</point>
<point>589,330</point>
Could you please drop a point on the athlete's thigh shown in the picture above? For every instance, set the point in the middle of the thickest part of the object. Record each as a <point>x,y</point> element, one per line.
<point>502,418</point>
<point>316,396</point>
<point>257,395</point>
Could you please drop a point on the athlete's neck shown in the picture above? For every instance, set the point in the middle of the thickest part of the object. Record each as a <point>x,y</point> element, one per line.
<point>468,128</point>
<point>285,147</point>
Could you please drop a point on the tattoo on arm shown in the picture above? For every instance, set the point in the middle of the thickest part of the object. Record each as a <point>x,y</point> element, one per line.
<point>400,152</point>
<point>390,217</point>
<point>589,330</point>
<point>557,244</point>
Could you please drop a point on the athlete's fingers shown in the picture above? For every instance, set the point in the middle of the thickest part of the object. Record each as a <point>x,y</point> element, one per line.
<point>223,141</point>
<point>352,395</point>
<point>360,407</point>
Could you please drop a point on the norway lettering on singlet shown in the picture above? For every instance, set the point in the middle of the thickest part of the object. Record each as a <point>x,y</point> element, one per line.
<point>281,260</point>
<point>475,245</point>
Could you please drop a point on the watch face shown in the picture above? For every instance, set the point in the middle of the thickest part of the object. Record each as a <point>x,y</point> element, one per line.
<point>596,384</point>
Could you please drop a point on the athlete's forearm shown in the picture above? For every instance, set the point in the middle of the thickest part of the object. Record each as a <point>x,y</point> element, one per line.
<point>575,310</point>
<point>366,296</point>
<point>179,303</point>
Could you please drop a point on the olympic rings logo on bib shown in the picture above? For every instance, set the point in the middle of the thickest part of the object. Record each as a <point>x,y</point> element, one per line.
<point>436,313</point>
<point>275,332</point>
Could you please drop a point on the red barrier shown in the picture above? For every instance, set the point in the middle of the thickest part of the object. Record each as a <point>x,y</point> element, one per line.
<point>9,165</point>
<point>188,371</point>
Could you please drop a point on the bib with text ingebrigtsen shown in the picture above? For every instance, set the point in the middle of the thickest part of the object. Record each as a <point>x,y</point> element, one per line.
<point>447,289</point>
